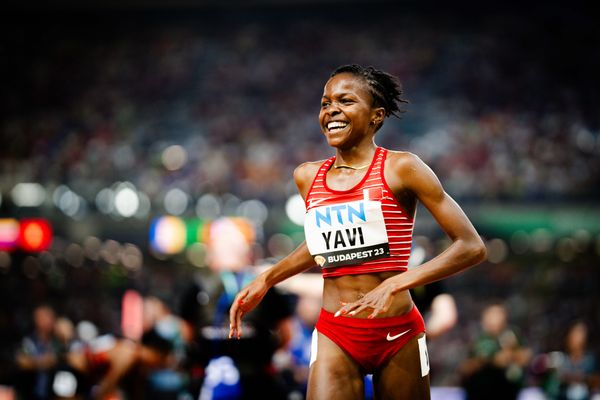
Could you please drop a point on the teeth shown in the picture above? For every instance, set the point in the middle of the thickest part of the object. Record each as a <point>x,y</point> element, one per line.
<point>336,125</point>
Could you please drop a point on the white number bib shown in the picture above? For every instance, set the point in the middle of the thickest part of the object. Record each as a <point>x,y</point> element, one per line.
<point>346,233</point>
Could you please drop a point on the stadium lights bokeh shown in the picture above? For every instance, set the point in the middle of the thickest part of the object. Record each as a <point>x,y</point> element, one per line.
<point>30,235</point>
<point>28,194</point>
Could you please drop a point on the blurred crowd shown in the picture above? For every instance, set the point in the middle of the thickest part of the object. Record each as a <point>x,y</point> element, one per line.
<point>170,345</point>
<point>163,333</point>
<point>186,354</point>
<point>493,118</point>
<point>170,361</point>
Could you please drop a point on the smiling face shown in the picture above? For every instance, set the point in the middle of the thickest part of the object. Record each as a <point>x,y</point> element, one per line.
<point>347,115</point>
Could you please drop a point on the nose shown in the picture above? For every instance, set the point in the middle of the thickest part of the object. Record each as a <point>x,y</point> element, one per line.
<point>332,110</point>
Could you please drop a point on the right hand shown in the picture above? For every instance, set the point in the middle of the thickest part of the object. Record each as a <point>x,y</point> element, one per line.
<point>244,302</point>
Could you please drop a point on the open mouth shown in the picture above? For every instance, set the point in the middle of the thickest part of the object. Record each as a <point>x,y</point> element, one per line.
<point>336,126</point>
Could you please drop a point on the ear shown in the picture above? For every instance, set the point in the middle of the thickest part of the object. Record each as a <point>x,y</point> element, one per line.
<point>377,116</point>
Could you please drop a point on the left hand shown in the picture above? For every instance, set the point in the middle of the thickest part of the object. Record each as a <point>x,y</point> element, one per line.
<point>379,299</point>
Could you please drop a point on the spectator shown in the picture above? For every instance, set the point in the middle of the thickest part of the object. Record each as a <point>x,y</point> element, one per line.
<point>229,255</point>
<point>67,383</point>
<point>497,366</point>
<point>37,356</point>
<point>297,359</point>
<point>577,367</point>
<point>168,334</point>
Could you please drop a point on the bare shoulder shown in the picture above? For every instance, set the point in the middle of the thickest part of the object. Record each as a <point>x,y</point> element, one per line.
<point>404,162</point>
<point>308,169</point>
<point>408,171</point>
<point>305,173</point>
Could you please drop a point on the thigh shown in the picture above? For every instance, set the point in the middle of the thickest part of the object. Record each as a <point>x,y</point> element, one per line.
<point>334,374</point>
<point>402,376</point>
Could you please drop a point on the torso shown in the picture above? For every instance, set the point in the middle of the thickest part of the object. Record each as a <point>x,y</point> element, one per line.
<point>349,288</point>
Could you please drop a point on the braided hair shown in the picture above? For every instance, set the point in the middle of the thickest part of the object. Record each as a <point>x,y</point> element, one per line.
<point>385,88</point>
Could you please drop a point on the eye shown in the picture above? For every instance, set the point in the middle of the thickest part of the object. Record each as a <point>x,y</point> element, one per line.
<point>347,101</point>
<point>324,103</point>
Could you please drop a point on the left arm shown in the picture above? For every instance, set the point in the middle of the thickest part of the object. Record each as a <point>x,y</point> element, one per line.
<point>467,248</point>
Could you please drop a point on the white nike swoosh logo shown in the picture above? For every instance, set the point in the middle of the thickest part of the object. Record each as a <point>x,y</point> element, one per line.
<point>314,202</point>
<point>390,338</point>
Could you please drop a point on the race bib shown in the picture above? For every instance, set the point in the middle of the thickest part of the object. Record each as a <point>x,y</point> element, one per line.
<point>346,233</point>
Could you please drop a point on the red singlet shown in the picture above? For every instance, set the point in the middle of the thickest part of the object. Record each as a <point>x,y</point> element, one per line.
<point>357,231</point>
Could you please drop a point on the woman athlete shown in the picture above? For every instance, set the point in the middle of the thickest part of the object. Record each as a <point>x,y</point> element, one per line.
<point>360,209</point>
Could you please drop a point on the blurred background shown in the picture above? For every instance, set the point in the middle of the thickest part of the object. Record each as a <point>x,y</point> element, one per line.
<point>134,136</point>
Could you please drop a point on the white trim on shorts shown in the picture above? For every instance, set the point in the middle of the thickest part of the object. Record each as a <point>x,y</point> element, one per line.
<point>313,347</point>
<point>423,356</point>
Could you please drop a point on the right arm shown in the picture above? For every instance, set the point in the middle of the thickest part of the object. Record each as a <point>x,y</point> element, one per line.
<point>297,261</point>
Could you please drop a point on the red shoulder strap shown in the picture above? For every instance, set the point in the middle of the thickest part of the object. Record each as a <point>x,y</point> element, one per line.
<point>319,177</point>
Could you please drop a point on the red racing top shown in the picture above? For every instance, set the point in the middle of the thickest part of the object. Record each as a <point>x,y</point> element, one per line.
<point>357,231</point>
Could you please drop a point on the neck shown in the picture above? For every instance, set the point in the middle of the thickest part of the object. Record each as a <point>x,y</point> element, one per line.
<point>355,157</point>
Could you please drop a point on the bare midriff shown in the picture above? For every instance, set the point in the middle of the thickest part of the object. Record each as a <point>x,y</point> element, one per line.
<point>349,288</point>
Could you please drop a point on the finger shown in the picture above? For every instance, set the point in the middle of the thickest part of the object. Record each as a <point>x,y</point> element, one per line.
<point>242,297</point>
<point>359,309</point>
<point>233,312</point>
<point>232,331</point>
<point>341,311</point>
<point>378,309</point>
<point>376,312</point>
<point>346,309</point>
<point>233,319</point>
<point>239,324</point>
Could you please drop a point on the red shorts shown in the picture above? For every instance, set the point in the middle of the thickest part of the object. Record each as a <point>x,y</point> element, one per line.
<point>371,342</point>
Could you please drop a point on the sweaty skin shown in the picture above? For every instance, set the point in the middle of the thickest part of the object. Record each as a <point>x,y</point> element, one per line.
<point>347,100</point>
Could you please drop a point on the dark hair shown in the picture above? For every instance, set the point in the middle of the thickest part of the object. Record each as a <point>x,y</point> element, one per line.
<point>385,88</point>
